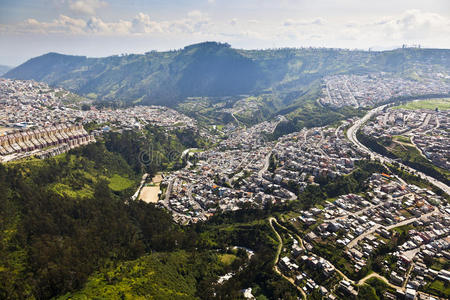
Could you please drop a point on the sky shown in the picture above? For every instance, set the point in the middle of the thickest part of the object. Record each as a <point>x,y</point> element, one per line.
<point>98,28</point>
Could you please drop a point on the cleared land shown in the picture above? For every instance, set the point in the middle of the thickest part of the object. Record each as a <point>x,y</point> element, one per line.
<point>227,259</point>
<point>441,104</point>
<point>149,192</point>
<point>118,183</point>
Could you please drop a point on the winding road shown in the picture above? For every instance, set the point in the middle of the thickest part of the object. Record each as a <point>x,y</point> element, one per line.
<point>277,257</point>
<point>351,135</point>
<point>291,280</point>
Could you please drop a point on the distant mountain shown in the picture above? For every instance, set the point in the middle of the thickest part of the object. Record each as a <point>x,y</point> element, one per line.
<point>4,69</point>
<point>214,69</point>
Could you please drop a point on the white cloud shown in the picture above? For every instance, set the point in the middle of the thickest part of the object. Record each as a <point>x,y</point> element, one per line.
<point>411,26</point>
<point>86,7</point>
<point>143,24</point>
<point>196,14</point>
<point>196,22</point>
<point>63,24</point>
<point>316,21</point>
<point>415,24</point>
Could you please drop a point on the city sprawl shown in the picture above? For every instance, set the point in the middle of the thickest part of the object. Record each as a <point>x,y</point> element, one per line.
<point>390,230</point>
<point>376,88</point>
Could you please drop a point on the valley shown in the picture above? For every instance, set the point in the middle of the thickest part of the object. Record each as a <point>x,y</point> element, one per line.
<point>325,177</point>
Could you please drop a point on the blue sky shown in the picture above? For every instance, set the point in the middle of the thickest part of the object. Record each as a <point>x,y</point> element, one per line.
<point>30,28</point>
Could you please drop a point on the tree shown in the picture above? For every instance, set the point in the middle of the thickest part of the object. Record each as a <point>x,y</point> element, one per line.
<point>366,292</point>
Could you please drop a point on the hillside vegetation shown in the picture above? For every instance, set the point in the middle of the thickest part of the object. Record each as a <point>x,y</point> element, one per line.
<point>68,229</point>
<point>214,70</point>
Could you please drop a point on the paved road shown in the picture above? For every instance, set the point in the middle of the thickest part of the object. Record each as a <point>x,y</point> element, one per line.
<point>351,135</point>
<point>195,203</point>
<point>409,221</point>
<point>266,165</point>
<point>237,121</point>
<point>280,246</point>
<point>424,123</point>
<point>354,214</point>
<point>405,222</point>
<point>362,236</point>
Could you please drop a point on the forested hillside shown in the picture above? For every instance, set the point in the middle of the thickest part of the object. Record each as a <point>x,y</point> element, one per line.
<point>214,69</point>
<point>67,231</point>
<point>61,219</point>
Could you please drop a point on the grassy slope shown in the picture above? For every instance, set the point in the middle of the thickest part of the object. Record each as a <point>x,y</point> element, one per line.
<point>119,183</point>
<point>441,104</point>
<point>408,152</point>
<point>438,287</point>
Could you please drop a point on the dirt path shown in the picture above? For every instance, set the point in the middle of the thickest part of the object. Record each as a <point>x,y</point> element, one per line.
<point>371,275</point>
<point>360,282</point>
<point>277,257</point>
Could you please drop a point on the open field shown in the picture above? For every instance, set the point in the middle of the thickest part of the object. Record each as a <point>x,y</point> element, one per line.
<point>118,183</point>
<point>438,287</point>
<point>227,259</point>
<point>149,192</point>
<point>442,104</point>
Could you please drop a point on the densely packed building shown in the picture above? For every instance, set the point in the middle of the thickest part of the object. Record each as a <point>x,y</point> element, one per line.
<point>42,121</point>
<point>43,142</point>
<point>428,130</point>
<point>376,88</point>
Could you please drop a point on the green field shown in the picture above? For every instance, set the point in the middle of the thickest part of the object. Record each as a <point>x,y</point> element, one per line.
<point>227,259</point>
<point>64,189</point>
<point>402,139</point>
<point>441,104</point>
<point>439,288</point>
<point>118,183</point>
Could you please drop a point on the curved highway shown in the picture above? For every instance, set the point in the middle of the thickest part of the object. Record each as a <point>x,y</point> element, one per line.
<point>351,135</point>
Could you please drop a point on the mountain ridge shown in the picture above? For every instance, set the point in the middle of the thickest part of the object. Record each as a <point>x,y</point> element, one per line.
<point>214,69</point>
<point>4,69</point>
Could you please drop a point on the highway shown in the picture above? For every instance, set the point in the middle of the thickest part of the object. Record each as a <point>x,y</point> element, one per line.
<point>351,135</point>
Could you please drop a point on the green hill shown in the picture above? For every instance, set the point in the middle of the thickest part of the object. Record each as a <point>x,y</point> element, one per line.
<point>214,70</point>
<point>165,275</point>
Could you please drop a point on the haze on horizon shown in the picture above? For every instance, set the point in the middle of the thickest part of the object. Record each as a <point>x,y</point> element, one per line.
<point>29,28</point>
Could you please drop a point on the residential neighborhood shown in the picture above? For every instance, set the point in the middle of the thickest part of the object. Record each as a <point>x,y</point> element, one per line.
<point>37,120</point>
<point>394,230</point>
<point>426,129</point>
<point>377,88</point>
<point>399,228</point>
<point>25,103</point>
